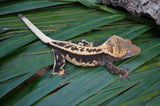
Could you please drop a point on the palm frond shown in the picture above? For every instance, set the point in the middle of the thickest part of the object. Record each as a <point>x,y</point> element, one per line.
<point>63,20</point>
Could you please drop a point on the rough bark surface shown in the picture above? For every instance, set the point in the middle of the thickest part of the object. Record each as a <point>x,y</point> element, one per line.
<point>138,8</point>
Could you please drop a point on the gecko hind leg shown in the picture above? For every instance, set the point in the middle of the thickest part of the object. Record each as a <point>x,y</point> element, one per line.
<point>86,43</point>
<point>89,44</point>
<point>59,62</point>
<point>83,42</point>
<point>123,72</point>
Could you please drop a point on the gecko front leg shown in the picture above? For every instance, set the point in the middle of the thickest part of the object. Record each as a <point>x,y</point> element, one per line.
<point>59,62</point>
<point>121,71</point>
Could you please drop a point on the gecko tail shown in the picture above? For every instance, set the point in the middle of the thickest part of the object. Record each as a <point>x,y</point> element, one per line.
<point>35,30</point>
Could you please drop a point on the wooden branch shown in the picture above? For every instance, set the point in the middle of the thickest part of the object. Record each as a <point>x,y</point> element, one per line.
<point>138,8</point>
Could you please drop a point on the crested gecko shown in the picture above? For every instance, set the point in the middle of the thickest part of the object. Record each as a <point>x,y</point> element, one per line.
<point>83,53</point>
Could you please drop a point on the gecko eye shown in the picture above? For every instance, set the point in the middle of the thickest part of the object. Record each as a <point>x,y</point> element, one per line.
<point>129,52</point>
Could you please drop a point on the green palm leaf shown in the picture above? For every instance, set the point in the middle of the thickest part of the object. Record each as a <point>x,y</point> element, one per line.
<point>83,86</point>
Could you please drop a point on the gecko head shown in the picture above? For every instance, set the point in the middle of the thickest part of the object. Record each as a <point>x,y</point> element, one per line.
<point>121,48</point>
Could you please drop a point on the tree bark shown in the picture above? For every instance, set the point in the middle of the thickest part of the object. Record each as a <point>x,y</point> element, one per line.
<point>138,8</point>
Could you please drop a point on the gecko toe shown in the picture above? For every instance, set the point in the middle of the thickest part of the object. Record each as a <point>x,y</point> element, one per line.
<point>51,75</point>
<point>127,78</point>
<point>124,73</point>
<point>121,79</point>
<point>63,76</point>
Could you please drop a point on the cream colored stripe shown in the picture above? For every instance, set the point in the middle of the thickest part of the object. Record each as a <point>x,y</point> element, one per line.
<point>85,52</point>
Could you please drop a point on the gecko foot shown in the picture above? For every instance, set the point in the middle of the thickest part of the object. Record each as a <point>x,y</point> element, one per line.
<point>127,78</point>
<point>121,78</point>
<point>61,73</point>
<point>124,74</point>
<point>63,76</point>
<point>52,75</point>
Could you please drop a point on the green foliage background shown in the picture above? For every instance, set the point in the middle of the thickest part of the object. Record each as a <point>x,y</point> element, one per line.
<point>72,20</point>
